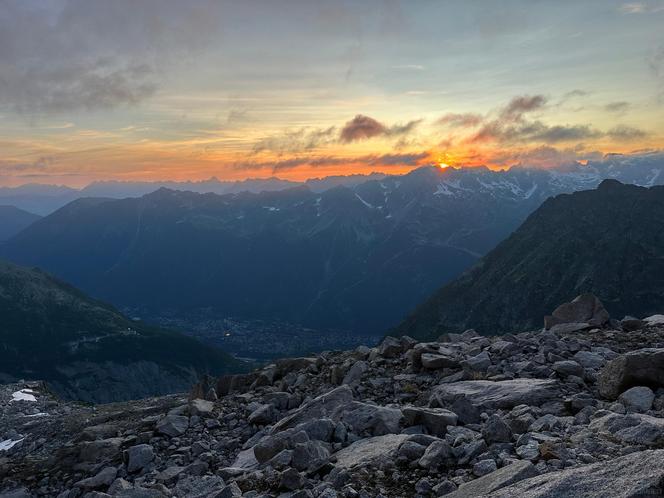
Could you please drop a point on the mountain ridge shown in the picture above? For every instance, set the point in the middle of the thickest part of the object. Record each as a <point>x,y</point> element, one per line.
<point>606,241</point>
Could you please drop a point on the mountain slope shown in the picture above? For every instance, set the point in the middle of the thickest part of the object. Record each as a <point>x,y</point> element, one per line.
<point>87,350</point>
<point>608,241</point>
<point>13,220</point>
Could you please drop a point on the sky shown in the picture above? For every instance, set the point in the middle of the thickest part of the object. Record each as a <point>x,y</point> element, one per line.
<point>186,90</point>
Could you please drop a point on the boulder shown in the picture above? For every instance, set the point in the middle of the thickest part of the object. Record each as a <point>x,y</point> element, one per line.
<point>434,361</point>
<point>138,457</point>
<point>355,373</point>
<point>496,430</point>
<point>635,475</point>
<point>321,407</point>
<point>585,308</point>
<point>438,454</point>
<point>505,394</point>
<point>643,367</point>
<point>102,479</point>
<point>363,418</point>
<point>497,479</point>
<point>637,399</point>
<point>565,368</point>
<point>435,420</point>
<point>391,347</point>
<point>369,451</point>
<point>633,428</point>
<point>173,425</point>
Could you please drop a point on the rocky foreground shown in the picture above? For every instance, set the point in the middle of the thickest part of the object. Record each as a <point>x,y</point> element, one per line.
<point>575,410</point>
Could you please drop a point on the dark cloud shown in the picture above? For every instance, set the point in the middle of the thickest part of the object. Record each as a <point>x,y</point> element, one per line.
<point>626,133</point>
<point>512,126</point>
<point>360,128</point>
<point>364,127</point>
<point>461,120</point>
<point>617,107</point>
<point>519,106</point>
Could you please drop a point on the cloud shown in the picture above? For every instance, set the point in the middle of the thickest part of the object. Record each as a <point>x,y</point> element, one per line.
<point>299,140</point>
<point>360,128</point>
<point>374,160</point>
<point>461,120</point>
<point>519,106</point>
<point>364,127</point>
<point>18,168</point>
<point>641,7</point>
<point>626,133</point>
<point>617,107</point>
<point>546,156</point>
<point>76,55</point>
<point>532,131</point>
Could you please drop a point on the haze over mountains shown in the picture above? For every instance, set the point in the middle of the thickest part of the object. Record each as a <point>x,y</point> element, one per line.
<point>354,257</point>
<point>85,349</point>
<point>43,199</point>
<point>608,241</point>
<point>13,220</point>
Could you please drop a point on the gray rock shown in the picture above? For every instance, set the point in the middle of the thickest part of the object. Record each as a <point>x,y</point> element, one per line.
<point>263,415</point>
<point>496,430</point>
<point>103,478</point>
<point>321,407</point>
<point>410,450</point>
<point>291,480</point>
<point>438,453</point>
<point>363,418</point>
<point>506,394</point>
<point>309,454</point>
<point>566,368</point>
<point>589,359</point>
<point>355,373</point>
<point>635,475</point>
<point>201,408</point>
<point>391,347</point>
<point>585,308</point>
<point>434,361</point>
<point>97,451</point>
<point>632,429</point>
<point>173,425</point>
<point>496,480</point>
<point>637,399</point>
<point>230,491</point>
<point>478,363</point>
<point>631,323</point>
<point>435,420</point>
<point>636,368</point>
<point>484,467</point>
<point>138,457</point>
<point>369,451</point>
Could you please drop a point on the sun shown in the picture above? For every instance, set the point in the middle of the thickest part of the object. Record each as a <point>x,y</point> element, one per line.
<point>443,165</point>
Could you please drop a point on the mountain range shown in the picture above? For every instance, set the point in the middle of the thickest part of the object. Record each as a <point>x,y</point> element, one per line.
<point>355,257</point>
<point>86,349</point>
<point>43,199</point>
<point>608,241</point>
<point>13,220</point>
